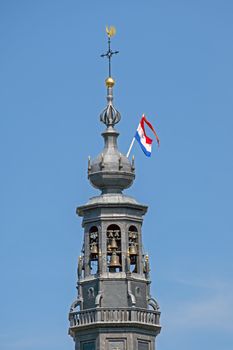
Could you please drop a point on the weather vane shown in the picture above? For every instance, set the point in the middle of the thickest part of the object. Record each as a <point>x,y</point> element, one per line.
<point>111,31</point>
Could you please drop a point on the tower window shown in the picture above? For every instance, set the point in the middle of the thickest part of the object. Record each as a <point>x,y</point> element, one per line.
<point>88,346</point>
<point>143,345</point>
<point>91,293</point>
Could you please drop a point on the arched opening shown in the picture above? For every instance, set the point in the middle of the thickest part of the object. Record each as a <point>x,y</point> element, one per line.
<point>91,293</point>
<point>114,260</point>
<point>94,249</point>
<point>133,248</point>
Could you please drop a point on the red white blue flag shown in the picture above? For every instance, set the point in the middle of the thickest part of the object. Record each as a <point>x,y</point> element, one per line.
<point>144,141</point>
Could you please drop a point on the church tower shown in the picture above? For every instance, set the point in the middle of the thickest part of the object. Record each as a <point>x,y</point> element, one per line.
<point>114,309</point>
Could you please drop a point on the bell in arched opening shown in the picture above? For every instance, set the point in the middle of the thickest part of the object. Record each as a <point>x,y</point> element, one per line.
<point>115,261</point>
<point>94,250</point>
<point>113,244</point>
<point>133,250</point>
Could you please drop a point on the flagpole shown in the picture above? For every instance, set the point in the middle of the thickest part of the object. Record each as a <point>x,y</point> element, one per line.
<point>130,147</point>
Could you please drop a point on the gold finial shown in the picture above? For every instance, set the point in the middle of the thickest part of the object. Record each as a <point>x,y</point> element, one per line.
<point>111,31</point>
<point>109,82</point>
<point>146,257</point>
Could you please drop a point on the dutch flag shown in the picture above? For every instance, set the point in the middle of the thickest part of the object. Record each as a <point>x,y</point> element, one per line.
<point>144,141</point>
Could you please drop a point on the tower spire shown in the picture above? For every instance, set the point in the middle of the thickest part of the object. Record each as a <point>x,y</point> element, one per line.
<point>114,309</point>
<point>110,116</point>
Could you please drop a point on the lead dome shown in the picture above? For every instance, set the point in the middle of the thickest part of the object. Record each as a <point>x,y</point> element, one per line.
<point>111,171</point>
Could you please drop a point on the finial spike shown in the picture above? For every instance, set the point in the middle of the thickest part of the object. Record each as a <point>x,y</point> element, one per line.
<point>111,31</point>
<point>110,116</point>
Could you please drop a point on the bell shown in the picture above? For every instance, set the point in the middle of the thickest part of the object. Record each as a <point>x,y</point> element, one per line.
<point>133,250</point>
<point>114,262</point>
<point>113,244</point>
<point>94,249</point>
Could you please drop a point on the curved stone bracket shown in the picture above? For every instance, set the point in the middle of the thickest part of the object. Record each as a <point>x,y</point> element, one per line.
<point>77,302</point>
<point>98,299</point>
<point>131,295</point>
<point>153,303</point>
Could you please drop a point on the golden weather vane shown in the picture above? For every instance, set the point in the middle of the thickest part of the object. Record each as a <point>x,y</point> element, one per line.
<point>111,31</point>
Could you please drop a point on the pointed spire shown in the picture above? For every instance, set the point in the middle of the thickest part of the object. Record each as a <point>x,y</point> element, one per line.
<point>110,116</point>
<point>110,171</point>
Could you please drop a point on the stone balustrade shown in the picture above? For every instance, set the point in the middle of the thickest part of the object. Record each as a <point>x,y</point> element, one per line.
<point>114,315</point>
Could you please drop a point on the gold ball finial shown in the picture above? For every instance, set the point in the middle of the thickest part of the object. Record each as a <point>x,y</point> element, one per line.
<point>110,82</point>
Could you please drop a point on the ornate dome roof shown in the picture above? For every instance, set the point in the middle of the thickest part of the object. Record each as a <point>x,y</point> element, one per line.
<point>111,171</point>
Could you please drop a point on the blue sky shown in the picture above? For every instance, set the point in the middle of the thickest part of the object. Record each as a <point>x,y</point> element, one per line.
<point>176,66</point>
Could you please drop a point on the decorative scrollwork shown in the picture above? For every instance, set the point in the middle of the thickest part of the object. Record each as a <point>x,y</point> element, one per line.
<point>110,116</point>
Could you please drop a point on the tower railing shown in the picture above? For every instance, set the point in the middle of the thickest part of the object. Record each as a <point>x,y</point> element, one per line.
<point>114,315</point>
